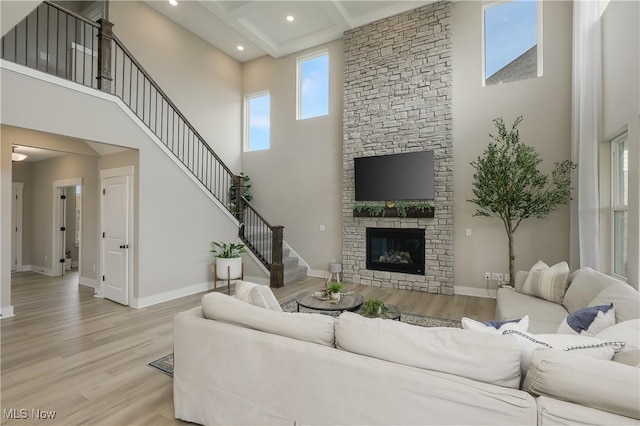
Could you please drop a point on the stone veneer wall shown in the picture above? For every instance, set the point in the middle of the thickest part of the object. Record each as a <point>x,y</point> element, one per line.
<point>397,98</point>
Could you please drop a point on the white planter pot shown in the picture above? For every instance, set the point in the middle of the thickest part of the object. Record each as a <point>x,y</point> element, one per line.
<point>335,296</point>
<point>224,266</point>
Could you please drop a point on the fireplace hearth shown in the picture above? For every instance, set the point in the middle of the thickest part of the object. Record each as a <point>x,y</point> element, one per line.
<point>396,250</point>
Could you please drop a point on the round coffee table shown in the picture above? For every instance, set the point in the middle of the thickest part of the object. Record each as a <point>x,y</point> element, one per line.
<point>349,302</point>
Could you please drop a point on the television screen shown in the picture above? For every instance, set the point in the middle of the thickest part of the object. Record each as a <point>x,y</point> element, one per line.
<point>395,177</point>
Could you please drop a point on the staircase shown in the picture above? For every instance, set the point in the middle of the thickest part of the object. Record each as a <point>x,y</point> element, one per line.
<point>88,53</point>
<point>253,236</point>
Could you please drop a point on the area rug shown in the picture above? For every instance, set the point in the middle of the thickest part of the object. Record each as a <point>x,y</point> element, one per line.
<point>165,364</point>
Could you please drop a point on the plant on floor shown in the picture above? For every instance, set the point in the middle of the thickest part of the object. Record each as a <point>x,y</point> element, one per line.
<point>227,251</point>
<point>508,185</point>
<point>373,307</point>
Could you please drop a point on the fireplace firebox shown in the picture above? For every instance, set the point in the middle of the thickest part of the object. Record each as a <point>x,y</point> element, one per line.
<point>396,250</point>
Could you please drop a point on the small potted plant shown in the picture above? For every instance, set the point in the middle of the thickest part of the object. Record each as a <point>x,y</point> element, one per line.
<point>373,308</point>
<point>334,290</point>
<point>228,260</point>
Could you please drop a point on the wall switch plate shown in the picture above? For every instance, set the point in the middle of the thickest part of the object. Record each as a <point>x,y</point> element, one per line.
<point>468,232</point>
<point>323,228</point>
<point>507,277</point>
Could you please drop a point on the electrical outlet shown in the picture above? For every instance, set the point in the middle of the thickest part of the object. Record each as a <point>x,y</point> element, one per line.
<point>46,258</point>
<point>496,276</point>
<point>487,275</point>
<point>507,278</point>
<point>212,269</point>
<point>500,276</point>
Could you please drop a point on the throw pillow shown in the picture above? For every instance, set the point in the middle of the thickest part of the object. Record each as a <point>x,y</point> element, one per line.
<point>626,331</point>
<point>581,345</point>
<point>257,295</point>
<point>588,321</point>
<point>549,283</point>
<point>496,327</point>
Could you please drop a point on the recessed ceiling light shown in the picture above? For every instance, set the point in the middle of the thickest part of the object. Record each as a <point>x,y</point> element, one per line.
<point>240,47</point>
<point>290,18</point>
<point>173,2</point>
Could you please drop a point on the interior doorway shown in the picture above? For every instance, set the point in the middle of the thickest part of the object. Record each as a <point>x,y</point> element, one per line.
<point>67,225</point>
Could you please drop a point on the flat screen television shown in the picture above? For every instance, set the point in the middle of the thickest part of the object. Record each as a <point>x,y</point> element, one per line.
<point>395,177</point>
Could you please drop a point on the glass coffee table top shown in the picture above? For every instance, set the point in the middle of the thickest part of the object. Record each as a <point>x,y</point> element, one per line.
<point>348,302</point>
<point>392,312</point>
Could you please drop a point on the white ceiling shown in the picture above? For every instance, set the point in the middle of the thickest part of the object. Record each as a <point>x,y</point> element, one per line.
<point>261,27</point>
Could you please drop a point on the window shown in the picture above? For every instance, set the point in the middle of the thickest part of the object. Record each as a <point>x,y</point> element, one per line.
<point>512,41</point>
<point>313,85</point>
<point>620,203</point>
<point>257,121</point>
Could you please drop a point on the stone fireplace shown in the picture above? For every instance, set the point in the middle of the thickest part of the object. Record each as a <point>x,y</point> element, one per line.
<point>396,250</point>
<point>397,98</point>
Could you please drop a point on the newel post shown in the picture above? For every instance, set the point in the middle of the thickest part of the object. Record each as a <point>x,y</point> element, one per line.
<point>105,39</point>
<point>240,202</point>
<point>277,268</point>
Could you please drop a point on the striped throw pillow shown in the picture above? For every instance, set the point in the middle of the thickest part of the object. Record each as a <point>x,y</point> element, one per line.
<point>548,283</point>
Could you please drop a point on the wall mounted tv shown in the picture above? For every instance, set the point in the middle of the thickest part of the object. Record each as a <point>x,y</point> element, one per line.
<point>395,177</point>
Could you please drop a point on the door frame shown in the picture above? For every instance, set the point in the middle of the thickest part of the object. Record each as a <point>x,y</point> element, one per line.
<point>57,268</point>
<point>19,187</point>
<point>127,171</point>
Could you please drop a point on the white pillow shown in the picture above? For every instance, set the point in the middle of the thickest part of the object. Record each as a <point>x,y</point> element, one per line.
<point>576,344</point>
<point>626,331</point>
<point>496,327</point>
<point>588,321</point>
<point>257,295</point>
<point>549,283</point>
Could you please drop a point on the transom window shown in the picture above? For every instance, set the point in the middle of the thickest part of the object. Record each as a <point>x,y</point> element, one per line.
<point>313,85</point>
<point>512,41</point>
<point>620,203</point>
<point>257,121</point>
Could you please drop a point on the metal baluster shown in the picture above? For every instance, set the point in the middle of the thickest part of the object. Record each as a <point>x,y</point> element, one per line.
<point>57,41</point>
<point>37,36</point>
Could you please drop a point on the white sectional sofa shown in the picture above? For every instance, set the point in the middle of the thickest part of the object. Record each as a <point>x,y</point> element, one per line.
<point>236,363</point>
<point>586,287</point>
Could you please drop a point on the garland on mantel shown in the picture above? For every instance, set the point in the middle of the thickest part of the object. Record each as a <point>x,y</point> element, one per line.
<point>399,209</point>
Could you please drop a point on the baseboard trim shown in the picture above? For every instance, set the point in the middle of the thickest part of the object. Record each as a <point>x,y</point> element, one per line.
<point>475,291</point>
<point>318,273</point>
<point>258,280</point>
<point>144,302</point>
<point>6,312</point>
<point>89,282</point>
<point>44,271</point>
<point>23,268</point>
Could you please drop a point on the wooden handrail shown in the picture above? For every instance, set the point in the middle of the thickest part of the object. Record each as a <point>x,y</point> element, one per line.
<point>75,15</point>
<point>169,102</point>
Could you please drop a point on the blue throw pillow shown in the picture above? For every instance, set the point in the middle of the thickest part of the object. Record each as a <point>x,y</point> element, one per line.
<point>588,321</point>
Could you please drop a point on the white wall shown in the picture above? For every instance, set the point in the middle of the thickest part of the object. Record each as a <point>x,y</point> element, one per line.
<point>201,80</point>
<point>297,183</point>
<point>173,241</point>
<point>620,25</point>
<point>12,12</point>
<point>545,103</point>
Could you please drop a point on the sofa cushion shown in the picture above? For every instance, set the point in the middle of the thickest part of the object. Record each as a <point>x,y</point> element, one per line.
<point>588,321</point>
<point>483,357</point>
<point>496,326</point>
<point>257,294</point>
<point>608,386</point>
<point>313,328</point>
<point>629,332</point>
<point>544,316</point>
<point>549,283</point>
<point>624,297</point>
<point>584,287</point>
<point>580,345</point>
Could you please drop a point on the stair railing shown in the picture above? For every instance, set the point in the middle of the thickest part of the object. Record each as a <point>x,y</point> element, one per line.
<point>59,42</point>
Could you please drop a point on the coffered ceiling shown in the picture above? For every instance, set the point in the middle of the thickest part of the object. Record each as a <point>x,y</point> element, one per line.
<point>261,27</point>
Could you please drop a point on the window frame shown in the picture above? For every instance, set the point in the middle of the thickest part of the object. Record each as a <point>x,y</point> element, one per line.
<point>247,120</point>
<point>539,39</point>
<point>299,62</point>
<point>616,204</point>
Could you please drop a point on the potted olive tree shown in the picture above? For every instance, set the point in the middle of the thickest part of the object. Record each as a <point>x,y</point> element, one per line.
<point>228,260</point>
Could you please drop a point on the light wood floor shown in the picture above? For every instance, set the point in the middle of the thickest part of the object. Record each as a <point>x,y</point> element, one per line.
<point>86,358</point>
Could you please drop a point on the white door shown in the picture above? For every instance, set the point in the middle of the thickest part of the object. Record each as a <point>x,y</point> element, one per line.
<point>115,199</point>
<point>14,228</point>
